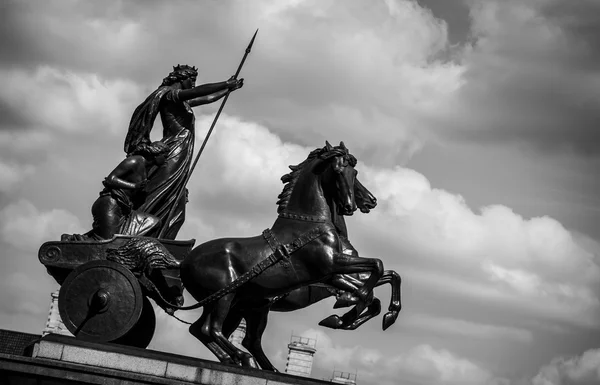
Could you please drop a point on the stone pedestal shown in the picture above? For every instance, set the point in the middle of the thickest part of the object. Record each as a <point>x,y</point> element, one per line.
<point>58,359</point>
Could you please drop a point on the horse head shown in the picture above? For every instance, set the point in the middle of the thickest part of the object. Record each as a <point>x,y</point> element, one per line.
<point>363,197</point>
<point>321,185</point>
<point>338,176</point>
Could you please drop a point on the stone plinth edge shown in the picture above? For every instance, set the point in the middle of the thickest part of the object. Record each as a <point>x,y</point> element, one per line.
<point>57,356</point>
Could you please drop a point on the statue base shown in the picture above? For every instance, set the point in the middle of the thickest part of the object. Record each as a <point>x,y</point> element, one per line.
<point>59,358</point>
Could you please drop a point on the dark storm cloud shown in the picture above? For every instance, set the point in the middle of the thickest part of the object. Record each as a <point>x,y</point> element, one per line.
<point>530,77</point>
<point>539,113</point>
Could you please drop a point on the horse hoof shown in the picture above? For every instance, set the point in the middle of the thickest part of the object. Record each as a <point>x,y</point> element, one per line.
<point>332,322</point>
<point>389,318</point>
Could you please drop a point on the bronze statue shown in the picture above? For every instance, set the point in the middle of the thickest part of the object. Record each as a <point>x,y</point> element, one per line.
<point>256,314</point>
<point>173,100</point>
<point>302,247</point>
<point>130,254</point>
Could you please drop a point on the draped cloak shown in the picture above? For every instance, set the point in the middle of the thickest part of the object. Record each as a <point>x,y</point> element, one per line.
<point>166,184</point>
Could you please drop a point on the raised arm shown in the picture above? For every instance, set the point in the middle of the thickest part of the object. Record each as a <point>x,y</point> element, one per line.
<point>210,88</point>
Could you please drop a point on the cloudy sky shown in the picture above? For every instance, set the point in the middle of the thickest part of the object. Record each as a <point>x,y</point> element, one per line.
<point>474,122</point>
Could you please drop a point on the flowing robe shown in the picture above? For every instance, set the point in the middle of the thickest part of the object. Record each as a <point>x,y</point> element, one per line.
<point>166,184</point>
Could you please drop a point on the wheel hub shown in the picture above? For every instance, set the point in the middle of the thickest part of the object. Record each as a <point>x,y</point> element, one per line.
<point>99,302</point>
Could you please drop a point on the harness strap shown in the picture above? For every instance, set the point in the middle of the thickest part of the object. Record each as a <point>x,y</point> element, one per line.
<point>284,251</point>
<point>301,217</point>
<point>279,252</point>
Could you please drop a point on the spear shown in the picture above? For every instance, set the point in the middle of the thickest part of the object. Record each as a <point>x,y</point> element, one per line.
<point>212,126</point>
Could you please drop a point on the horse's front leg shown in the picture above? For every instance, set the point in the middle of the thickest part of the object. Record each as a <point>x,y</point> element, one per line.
<point>347,264</point>
<point>354,317</point>
<point>349,286</point>
<point>352,320</point>
<point>395,281</point>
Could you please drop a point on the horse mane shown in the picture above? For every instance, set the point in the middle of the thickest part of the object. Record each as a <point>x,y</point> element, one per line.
<point>291,178</point>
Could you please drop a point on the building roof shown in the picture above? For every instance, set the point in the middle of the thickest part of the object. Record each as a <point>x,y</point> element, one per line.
<point>13,342</point>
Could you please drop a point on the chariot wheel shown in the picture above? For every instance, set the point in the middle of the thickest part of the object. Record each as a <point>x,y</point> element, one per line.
<point>142,332</point>
<point>102,301</point>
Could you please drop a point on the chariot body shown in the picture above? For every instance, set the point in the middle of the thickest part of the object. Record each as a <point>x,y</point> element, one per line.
<point>102,299</point>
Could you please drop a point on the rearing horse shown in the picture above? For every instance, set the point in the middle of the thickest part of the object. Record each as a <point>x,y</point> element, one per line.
<point>256,314</point>
<point>302,247</point>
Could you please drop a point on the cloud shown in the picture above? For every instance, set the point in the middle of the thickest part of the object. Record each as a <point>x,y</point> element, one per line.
<point>528,78</point>
<point>421,364</point>
<point>57,34</point>
<point>11,174</point>
<point>439,366</point>
<point>25,227</point>
<point>463,328</point>
<point>579,370</point>
<point>15,141</point>
<point>348,44</point>
<point>68,101</point>
<point>534,264</point>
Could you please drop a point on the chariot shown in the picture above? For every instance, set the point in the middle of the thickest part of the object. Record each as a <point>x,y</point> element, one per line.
<point>101,300</point>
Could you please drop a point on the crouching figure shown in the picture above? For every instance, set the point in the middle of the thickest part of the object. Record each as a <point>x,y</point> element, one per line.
<point>116,211</point>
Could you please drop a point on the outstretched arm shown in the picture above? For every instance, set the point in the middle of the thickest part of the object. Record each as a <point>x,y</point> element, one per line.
<point>210,88</point>
<point>207,99</point>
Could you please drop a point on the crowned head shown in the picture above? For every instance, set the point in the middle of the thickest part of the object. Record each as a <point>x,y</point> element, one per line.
<point>180,74</point>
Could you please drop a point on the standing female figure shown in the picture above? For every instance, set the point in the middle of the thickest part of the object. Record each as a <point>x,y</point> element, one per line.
<point>173,100</point>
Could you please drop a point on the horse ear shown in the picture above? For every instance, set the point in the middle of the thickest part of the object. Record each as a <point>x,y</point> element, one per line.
<point>328,146</point>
